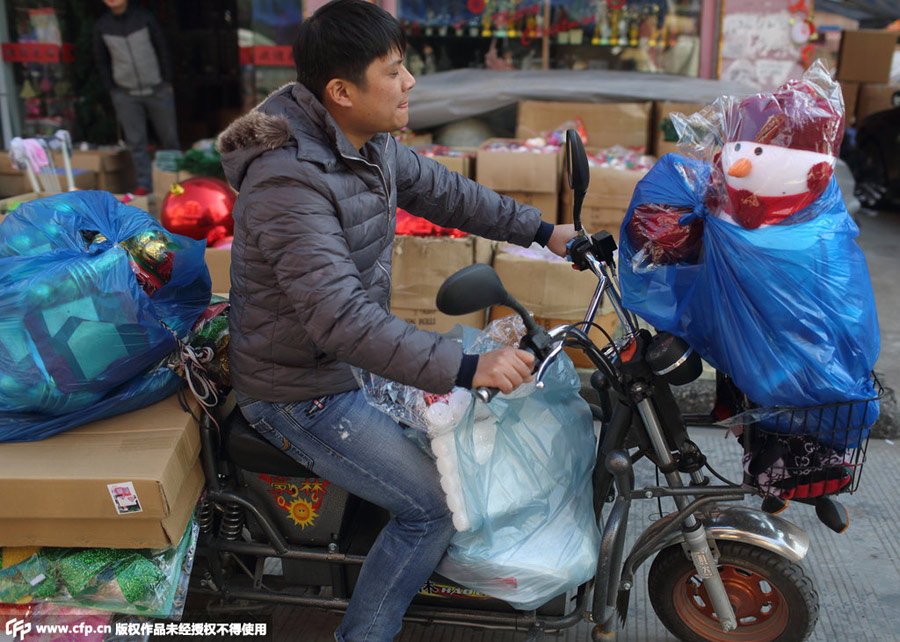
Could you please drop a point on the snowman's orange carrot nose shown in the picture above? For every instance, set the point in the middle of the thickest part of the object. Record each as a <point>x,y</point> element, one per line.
<point>740,168</point>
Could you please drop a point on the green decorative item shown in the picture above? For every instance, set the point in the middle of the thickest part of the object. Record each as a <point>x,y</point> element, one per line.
<point>138,578</point>
<point>133,581</point>
<point>79,568</point>
<point>202,162</point>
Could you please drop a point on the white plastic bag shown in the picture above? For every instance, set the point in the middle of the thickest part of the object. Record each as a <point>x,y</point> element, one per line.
<point>517,473</point>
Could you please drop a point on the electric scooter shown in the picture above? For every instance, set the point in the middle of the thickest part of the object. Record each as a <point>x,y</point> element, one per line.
<point>272,532</point>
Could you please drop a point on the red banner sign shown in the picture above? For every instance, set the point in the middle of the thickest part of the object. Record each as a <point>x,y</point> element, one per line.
<point>274,56</point>
<point>39,52</point>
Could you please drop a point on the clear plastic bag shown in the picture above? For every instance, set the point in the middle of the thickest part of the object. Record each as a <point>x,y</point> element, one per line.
<point>517,473</point>
<point>771,155</point>
<point>135,581</point>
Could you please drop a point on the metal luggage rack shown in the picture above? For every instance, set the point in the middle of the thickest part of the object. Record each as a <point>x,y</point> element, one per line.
<point>822,448</point>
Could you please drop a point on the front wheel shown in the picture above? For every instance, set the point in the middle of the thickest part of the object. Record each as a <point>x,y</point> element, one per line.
<point>773,599</point>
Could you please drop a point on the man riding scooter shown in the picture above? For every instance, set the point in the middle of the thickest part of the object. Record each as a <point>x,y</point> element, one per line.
<point>319,180</point>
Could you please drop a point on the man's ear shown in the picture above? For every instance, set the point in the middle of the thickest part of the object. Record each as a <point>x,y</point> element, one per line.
<point>338,92</point>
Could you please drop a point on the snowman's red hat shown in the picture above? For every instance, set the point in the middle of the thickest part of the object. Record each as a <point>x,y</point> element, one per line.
<point>797,115</point>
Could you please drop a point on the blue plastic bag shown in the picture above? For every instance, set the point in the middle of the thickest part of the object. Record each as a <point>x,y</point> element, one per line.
<point>787,310</point>
<point>80,337</point>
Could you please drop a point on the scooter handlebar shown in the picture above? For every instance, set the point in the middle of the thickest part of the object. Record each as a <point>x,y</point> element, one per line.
<point>485,394</point>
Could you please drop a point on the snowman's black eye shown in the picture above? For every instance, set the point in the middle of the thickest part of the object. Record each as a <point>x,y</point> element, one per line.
<point>737,147</point>
<point>757,151</point>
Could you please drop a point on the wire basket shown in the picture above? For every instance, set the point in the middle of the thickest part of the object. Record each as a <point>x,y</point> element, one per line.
<point>803,453</point>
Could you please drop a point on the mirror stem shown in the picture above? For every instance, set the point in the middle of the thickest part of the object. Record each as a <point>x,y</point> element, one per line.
<point>578,198</point>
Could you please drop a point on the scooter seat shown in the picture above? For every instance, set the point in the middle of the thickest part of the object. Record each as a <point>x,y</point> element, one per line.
<point>250,450</point>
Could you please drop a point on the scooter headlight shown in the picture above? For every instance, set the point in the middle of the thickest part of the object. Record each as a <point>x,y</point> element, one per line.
<point>673,359</point>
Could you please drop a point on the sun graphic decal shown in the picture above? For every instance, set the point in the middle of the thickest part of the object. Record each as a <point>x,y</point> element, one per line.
<point>302,513</point>
<point>301,502</point>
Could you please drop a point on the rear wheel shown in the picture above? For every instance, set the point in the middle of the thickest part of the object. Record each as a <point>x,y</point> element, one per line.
<point>773,599</point>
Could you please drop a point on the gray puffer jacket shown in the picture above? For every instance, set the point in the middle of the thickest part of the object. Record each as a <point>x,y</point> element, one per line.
<point>311,258</point>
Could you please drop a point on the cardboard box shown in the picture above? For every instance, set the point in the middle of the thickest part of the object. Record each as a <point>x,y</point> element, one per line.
<point>865,55</point>
<point>664,137</point>
<point>547,203</point>
<point>875,97</point>
<point>436,321</point>
<point>609,322</point>
<point>140,202</point>
<point>15,183</point>
<point>606,124</point>
<point>163,181</point>
<point>60,491</point>
<point>506,171</point>
<point>420,266</point>
<point>553,292</point>
<point>547,287</point>
<point>218,260</point>
<point>110,533</point>
<point>595,219</point>
<point>606,201</point>
<point>461,160</point>
<point>850,92</point>
<point>115,171</point>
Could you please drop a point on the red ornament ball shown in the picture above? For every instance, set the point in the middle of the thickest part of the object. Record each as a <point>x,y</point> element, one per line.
<point>200,208</point>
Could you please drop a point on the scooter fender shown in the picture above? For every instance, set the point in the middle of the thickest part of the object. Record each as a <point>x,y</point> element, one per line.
<point>729,524</point>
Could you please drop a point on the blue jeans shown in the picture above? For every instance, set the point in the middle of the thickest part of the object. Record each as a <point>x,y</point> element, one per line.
<point>348,442</point>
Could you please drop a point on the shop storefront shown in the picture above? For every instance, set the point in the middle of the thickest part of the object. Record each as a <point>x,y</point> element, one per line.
<point>230,54</point>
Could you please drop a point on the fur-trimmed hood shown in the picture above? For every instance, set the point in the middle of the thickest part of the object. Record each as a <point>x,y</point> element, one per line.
<point>289,117</point>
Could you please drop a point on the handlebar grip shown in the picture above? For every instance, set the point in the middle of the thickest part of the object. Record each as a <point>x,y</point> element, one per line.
<point>485,394</point>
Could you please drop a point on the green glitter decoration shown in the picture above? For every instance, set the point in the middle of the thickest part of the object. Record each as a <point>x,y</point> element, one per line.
<point>78,569</point>
<point>138,577</point>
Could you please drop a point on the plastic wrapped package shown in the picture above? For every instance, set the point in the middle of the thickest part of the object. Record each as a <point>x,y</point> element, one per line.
<point>53,618</point>
<point>91,293</point>
<point>517,473</point>
<point>136,581</point>
<point>658,232</point>
<point>771,155</point>
<point>780,297</point>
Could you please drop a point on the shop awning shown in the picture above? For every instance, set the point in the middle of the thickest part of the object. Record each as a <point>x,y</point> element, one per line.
<point>448,96</point>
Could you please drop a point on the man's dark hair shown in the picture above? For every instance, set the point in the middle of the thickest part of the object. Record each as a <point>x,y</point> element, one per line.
<point>341,40</point>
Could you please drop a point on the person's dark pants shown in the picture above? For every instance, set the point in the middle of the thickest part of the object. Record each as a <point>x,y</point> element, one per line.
<point>133,112</point>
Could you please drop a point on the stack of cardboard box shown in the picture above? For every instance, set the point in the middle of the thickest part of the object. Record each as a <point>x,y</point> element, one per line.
<point>530,177</point>
<point>113,167</point>
<point>605,125</point>
<point>553,292</point>
<point>864,68</point>
<point>420,265</point>
<point>14,181</point>
<point>665,138</point>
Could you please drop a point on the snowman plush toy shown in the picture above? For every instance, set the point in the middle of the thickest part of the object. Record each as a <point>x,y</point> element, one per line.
<point>780,151</point>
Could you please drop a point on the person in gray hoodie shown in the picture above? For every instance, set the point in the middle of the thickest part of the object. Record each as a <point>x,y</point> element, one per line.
<point>133,59</point>
<point>319,180</point>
